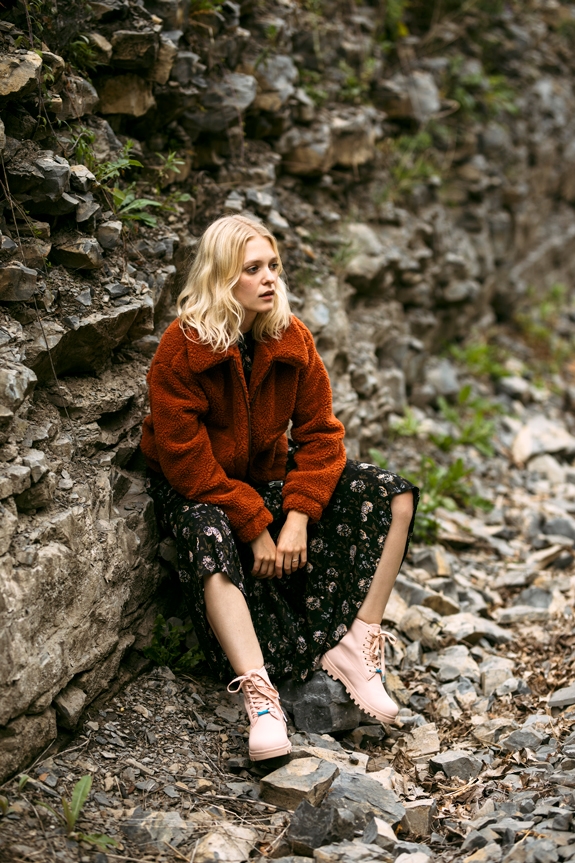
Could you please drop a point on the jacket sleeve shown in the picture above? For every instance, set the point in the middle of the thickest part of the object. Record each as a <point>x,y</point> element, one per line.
<point>320,458</point>
<point>185,454</point>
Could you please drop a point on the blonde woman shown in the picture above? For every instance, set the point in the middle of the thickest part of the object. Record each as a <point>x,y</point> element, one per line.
<point>287,552</point>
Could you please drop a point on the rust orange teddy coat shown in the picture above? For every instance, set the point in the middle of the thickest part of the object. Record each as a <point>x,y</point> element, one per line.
<point>214,439</point>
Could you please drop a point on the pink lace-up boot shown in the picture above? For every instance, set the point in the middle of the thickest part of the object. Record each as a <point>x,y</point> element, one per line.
<point>358,662</point>
<point>268,732</point>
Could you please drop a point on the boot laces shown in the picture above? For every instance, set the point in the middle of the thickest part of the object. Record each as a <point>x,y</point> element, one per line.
<point>376,650</point>
<point>260,696</point>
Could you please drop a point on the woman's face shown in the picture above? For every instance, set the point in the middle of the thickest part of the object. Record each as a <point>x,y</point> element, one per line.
<point>256,287</point>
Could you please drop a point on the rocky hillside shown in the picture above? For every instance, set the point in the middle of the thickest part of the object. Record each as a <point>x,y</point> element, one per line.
<point>416,162</point>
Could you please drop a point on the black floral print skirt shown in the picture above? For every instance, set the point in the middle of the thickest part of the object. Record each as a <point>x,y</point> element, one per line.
<point>299,617</point>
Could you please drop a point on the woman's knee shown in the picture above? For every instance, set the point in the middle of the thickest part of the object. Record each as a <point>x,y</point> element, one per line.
<point>402,507</point>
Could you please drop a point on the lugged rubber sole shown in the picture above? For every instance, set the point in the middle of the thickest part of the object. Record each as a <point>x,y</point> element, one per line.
<point>271,753</point>
<point>336,675</point>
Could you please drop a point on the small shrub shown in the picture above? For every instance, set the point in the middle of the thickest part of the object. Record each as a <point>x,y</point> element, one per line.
<point>168,647</point>
<point>481,359</point>
<point>472,421</point>
<point>71,811</point>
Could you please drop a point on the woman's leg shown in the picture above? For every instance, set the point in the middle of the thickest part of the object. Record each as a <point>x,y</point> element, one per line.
<point>230,619</point>
<point>373,606</point>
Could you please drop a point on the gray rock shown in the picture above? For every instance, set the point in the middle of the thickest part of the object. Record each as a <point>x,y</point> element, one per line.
<point>109,234</point>
<point>418,818</point>
<point>78,98</point>
<point>541,435</point>
<point>35,459</point>
<point>276,77</point>
<point>24,738</point>
<point>19,74</point>
<point>563,525</point>
<point>412,96</point>
<point>17,283</point>
<point>19,476</point>
<point>230,843</point>
<point>303,779</point>
<point>351,852</point>
<point>442,376</point>
<point>81,179</point>
<point>470,628</point>
<point>224,102</point>
<point>16,382</point>
<point>307,151</point>
<point>379,832</point>
<point>423,625</point>
<point>38,495</point>
<point>185,66</point>
<point>366,798</point>
<point>311,827</point>
<point>152,831</point>
<point>523,738</point>
<point>84,253</point>
<point>8,525</point>
<point>456,763</point>
<point>69,705</point>
<point>563,697</point>
<point>321,705</point>
<point>534,596</point>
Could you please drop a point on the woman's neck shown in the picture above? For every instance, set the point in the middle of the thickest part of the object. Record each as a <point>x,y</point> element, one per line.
<point>248,322</point>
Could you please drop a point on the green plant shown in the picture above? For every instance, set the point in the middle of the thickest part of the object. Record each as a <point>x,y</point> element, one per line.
<point>356,85</point>
<point>471,418</point>
<point>5,807</point>
<point>115,168</point>
<point>410,160</point>
<point>446,487</point>
<point>72,810</point>
<point>168,646</point>
<point>311,81</point>
<point>170,165</point>
<point>408,425</point>
<point>481,359</point>
<point>81,55</point>
<point>131,208</point>
<point>480,95</point>
<point>538,327</point>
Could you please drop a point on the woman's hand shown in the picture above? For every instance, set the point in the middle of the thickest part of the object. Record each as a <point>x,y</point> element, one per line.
<point>292,544</point>
<point>264,549</point>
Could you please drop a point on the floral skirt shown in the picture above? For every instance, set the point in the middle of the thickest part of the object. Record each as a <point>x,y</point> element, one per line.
<point>299,617</point>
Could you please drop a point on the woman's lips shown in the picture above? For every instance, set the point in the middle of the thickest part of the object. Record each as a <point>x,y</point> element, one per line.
<point>267,295</point>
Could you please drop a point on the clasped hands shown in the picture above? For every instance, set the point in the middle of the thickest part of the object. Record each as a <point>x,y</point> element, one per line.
<point>289,554</point>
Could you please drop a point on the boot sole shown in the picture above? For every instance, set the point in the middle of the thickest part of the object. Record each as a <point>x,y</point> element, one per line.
<point>336,675</point>
<point>271,753</point>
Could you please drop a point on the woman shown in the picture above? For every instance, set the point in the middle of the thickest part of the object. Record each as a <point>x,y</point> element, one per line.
<point>287,553</point>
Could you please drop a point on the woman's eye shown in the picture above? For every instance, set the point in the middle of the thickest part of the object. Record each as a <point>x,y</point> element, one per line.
<point>274,266</point>
<point>252,270</point>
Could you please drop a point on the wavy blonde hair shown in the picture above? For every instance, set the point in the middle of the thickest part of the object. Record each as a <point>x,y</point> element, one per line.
<point>207,302</point>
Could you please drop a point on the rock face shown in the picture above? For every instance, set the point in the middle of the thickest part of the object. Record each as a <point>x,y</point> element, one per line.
<point>417,198</point>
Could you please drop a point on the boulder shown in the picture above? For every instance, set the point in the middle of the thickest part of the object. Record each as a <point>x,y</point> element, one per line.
<point>69,705</point>
<point>230,843</point>
<point>37,496</point>
<point>167,53</point>
<point>83,350</point>
<point>223,103</point>
<point>19,74</point>
<point>311,827</point>
<point>321,705</point>
<point>78,98</point>
<point>81,179</point>
<point>408,97</point>
<point>109,234</point>
<point>16,382</point>
<point>276,77</point>
<point>456,763</point>
<point>303,779</point>
<point>17,283</point>
<point>541,435</point>
<point>135,50</point>
<point>23,739</point>
<point>307,151</point>
<point>82,253</point>
<point>353,137</point>
<point>366,799</point>
<point>126,94</point>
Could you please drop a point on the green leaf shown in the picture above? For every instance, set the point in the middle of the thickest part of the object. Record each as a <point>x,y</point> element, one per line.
<point>138,204</point>
<point>80,795</point>
<point>22,781</point>
<point>68,815</point>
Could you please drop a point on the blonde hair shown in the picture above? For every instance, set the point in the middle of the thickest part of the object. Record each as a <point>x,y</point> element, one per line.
<point>207,302</point>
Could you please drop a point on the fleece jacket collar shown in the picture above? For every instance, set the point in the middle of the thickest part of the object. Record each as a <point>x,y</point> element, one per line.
<point>290,348</point>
